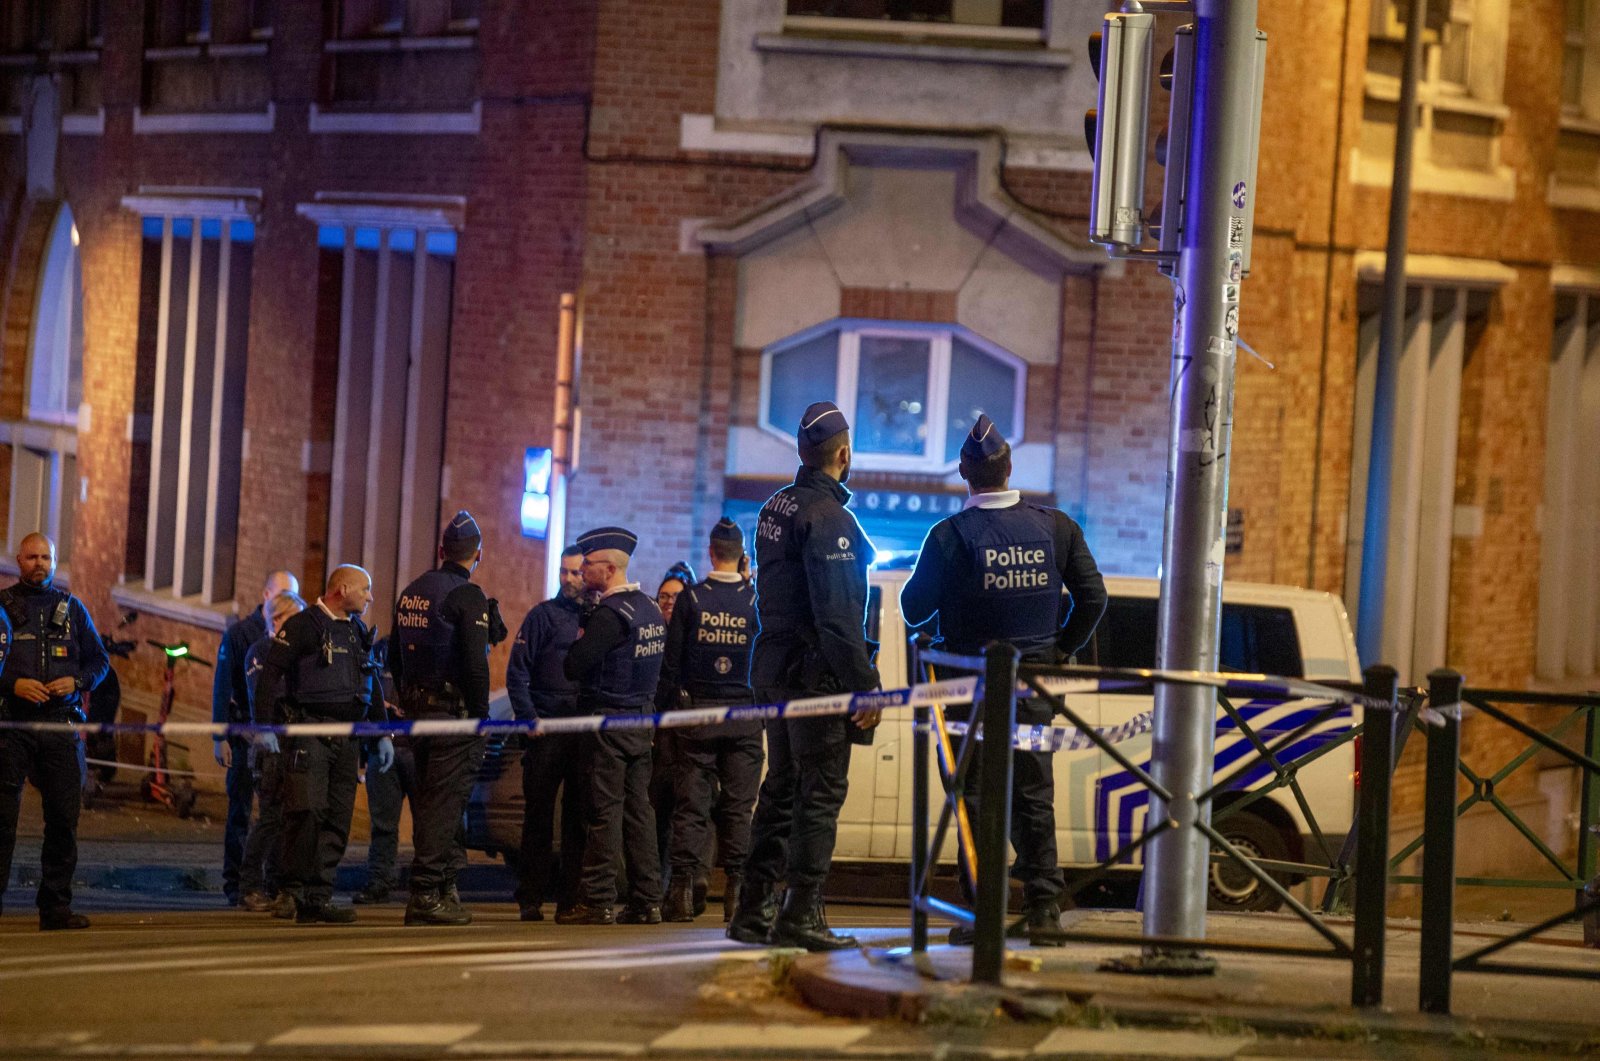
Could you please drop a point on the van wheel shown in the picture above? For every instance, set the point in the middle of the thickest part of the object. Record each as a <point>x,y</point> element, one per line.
<point>1231,887</point>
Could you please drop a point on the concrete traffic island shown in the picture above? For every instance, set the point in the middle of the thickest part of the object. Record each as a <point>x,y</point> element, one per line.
<point>1250,994</point>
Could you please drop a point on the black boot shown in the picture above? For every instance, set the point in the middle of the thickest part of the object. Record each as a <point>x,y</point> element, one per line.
<point>429,907</point>
<point>1043,918</point>
<point>803,923</point>
<point>680,900</point>
<point>752,917</point>
<point>730,896</point>
<point>700,889</point>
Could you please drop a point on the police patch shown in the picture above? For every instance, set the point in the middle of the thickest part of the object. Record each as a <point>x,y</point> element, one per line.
<point>844,543</point>
<point>723,664</point>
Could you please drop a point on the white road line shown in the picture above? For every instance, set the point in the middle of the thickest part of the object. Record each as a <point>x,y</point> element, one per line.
<point>1134,1042</point>
<point>704,1037</point>
<point>635,962</point>
<point>545,1048</point>
<point>375,1035</point>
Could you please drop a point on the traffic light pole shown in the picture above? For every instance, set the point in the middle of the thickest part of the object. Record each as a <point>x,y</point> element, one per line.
<point>1209,274</point>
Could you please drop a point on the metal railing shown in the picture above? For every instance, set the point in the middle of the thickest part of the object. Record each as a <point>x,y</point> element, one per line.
<point>1441,810</point>
<point>984,848</point>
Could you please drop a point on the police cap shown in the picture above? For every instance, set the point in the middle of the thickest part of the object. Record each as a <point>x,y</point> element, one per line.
<point>820,422</point>
<point>984,441</point>
<point>727,530</point>
<point>618,538</point>
<point>462,528</point>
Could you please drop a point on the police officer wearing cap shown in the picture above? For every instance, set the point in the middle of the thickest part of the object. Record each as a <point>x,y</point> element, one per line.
<point>996,571</point>
<point>55,659</point>
<point>811,596</point>
<point>439,658</point>
<point>552,765</point>
<point>318,668</point>
<point>616,662</point>
<point>707,664</point>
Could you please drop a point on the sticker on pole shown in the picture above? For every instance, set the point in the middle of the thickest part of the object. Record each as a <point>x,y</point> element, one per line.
<point>1238,195</point>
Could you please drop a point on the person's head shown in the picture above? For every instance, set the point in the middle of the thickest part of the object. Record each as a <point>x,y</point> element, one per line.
<point>571,572</point>
<point>281,607</point>
<point>726,545</point>
<point>679,578</point>
<point>279,582</point>
<point>823,440</point>
<point>461,542</point>
<point>36,560</point>
<point>985,458</point>
<point>349,590</point>
<point>606,551</point>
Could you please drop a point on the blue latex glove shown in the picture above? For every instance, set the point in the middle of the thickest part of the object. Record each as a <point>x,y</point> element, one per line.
<point>267,742</point>
<point>385,757</point>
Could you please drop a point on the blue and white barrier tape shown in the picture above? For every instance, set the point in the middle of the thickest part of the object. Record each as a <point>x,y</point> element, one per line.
<point>1066,738</point>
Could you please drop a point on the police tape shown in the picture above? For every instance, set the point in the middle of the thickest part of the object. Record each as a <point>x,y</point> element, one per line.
<point>1039,738</point>
<point>964,690</point>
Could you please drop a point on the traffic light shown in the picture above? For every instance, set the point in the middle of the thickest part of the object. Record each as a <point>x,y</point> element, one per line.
<point>1115,130</point>
<point>1172,143</point>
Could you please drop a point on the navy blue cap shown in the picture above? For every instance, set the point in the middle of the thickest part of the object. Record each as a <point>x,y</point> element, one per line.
<point>618,538</point>
<point>462,528</point>
<point>820,422</point>
<point>727,530</point>
<point>984,441</point>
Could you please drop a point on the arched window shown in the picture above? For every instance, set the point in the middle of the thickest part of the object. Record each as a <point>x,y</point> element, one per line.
<point>911,391</point>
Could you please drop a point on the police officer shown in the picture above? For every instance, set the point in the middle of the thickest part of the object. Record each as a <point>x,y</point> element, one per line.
<point>616,662</point>
<point>230,703</point>
<point>318,668</point>
<point>439,657</point>
<point>55,659</point>
<point>261,871</point>
<point>995,572</point>
<point>551,765</point>
<point>811,595</point>
<point>707,664</point>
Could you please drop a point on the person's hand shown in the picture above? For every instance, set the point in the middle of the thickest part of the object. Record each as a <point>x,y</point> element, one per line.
<point>867,718</point>
<point>62,687</point>
<point>744,565</point>
<point>222,752</point>
<point>267,742</point>
<point>31,690</point>
<point>385,755</point>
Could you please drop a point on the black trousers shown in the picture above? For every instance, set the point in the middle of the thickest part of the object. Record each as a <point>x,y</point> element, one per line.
<point>1033,824</point>
<point>552,768</point>
<point>447,767</point>
<point>50,761</point>
<point>320,777</point>
<point>386,795</point>
<point>716,782</point>
<point>241,786</point>
<point>797,811</point>
<point>619,820</point>
<point>261,867</point>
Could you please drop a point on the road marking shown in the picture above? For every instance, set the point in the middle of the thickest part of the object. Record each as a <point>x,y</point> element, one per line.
<point>375,1035</point>
<point>545,1048</point>
<point>765,1037</point>
<point>1134,1042</point>
<point>202,1048</point>
<point>544,964</point>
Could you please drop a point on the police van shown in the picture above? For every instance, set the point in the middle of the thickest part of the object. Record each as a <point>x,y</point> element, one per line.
<point>1268,629</point>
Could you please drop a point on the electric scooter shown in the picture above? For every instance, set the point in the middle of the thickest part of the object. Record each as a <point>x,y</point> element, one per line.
<point>158,785</point>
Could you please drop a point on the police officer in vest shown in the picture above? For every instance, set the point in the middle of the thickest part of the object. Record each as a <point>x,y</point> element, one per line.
<point>55,660</point>
<point>616,662</point>
<point>811,595</point>
<point>707,664</point>
<point>552,766</point>
<point>318,668</point>
<point>439,657</point>
<point>996,572</point>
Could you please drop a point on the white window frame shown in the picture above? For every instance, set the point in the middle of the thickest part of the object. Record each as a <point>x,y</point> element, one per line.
<point>70,294</point>
<point>847,363</point>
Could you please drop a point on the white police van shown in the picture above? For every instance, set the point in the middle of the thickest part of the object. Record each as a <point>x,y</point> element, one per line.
<point>1276,630</point>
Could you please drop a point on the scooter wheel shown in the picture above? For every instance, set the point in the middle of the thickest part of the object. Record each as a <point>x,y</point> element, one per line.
<point>184,802</point>
<point>146,792</point>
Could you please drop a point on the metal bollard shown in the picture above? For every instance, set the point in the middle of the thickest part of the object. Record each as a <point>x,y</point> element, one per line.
<point>1380,682</point>
<point>1439,844</point>
<point>919,804</point>
<point>994,812</point>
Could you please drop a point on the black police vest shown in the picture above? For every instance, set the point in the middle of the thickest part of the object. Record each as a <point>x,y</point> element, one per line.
<point>44,644</point>
<point>630,671</point>
<point>424,635</point>
<point>718,668</point>
<point>335,674</point>
<point>551,691</point>
<point>1009,586</point>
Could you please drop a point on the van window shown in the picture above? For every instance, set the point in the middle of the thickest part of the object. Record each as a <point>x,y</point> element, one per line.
<point>874,620</point>
<point>1256,638</point>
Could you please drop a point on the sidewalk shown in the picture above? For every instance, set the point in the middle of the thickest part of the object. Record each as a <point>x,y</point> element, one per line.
<point>1269,994</point>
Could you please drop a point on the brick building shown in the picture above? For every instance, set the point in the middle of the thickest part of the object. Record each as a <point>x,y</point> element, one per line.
<point>282,284</point>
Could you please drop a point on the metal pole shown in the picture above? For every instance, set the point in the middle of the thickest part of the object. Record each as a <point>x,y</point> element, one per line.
<point>994,812</point>
<point>1439,846</point>
<point>1589,829</point>
<point>1372,839</point>
<point>1216,220</point>
<point>1375,527</point>
<point>919,808</point>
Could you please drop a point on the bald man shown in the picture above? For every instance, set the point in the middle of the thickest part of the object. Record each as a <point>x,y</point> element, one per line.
<point>230,703</point>
<point>56,660</point>
<point>318,668</point>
